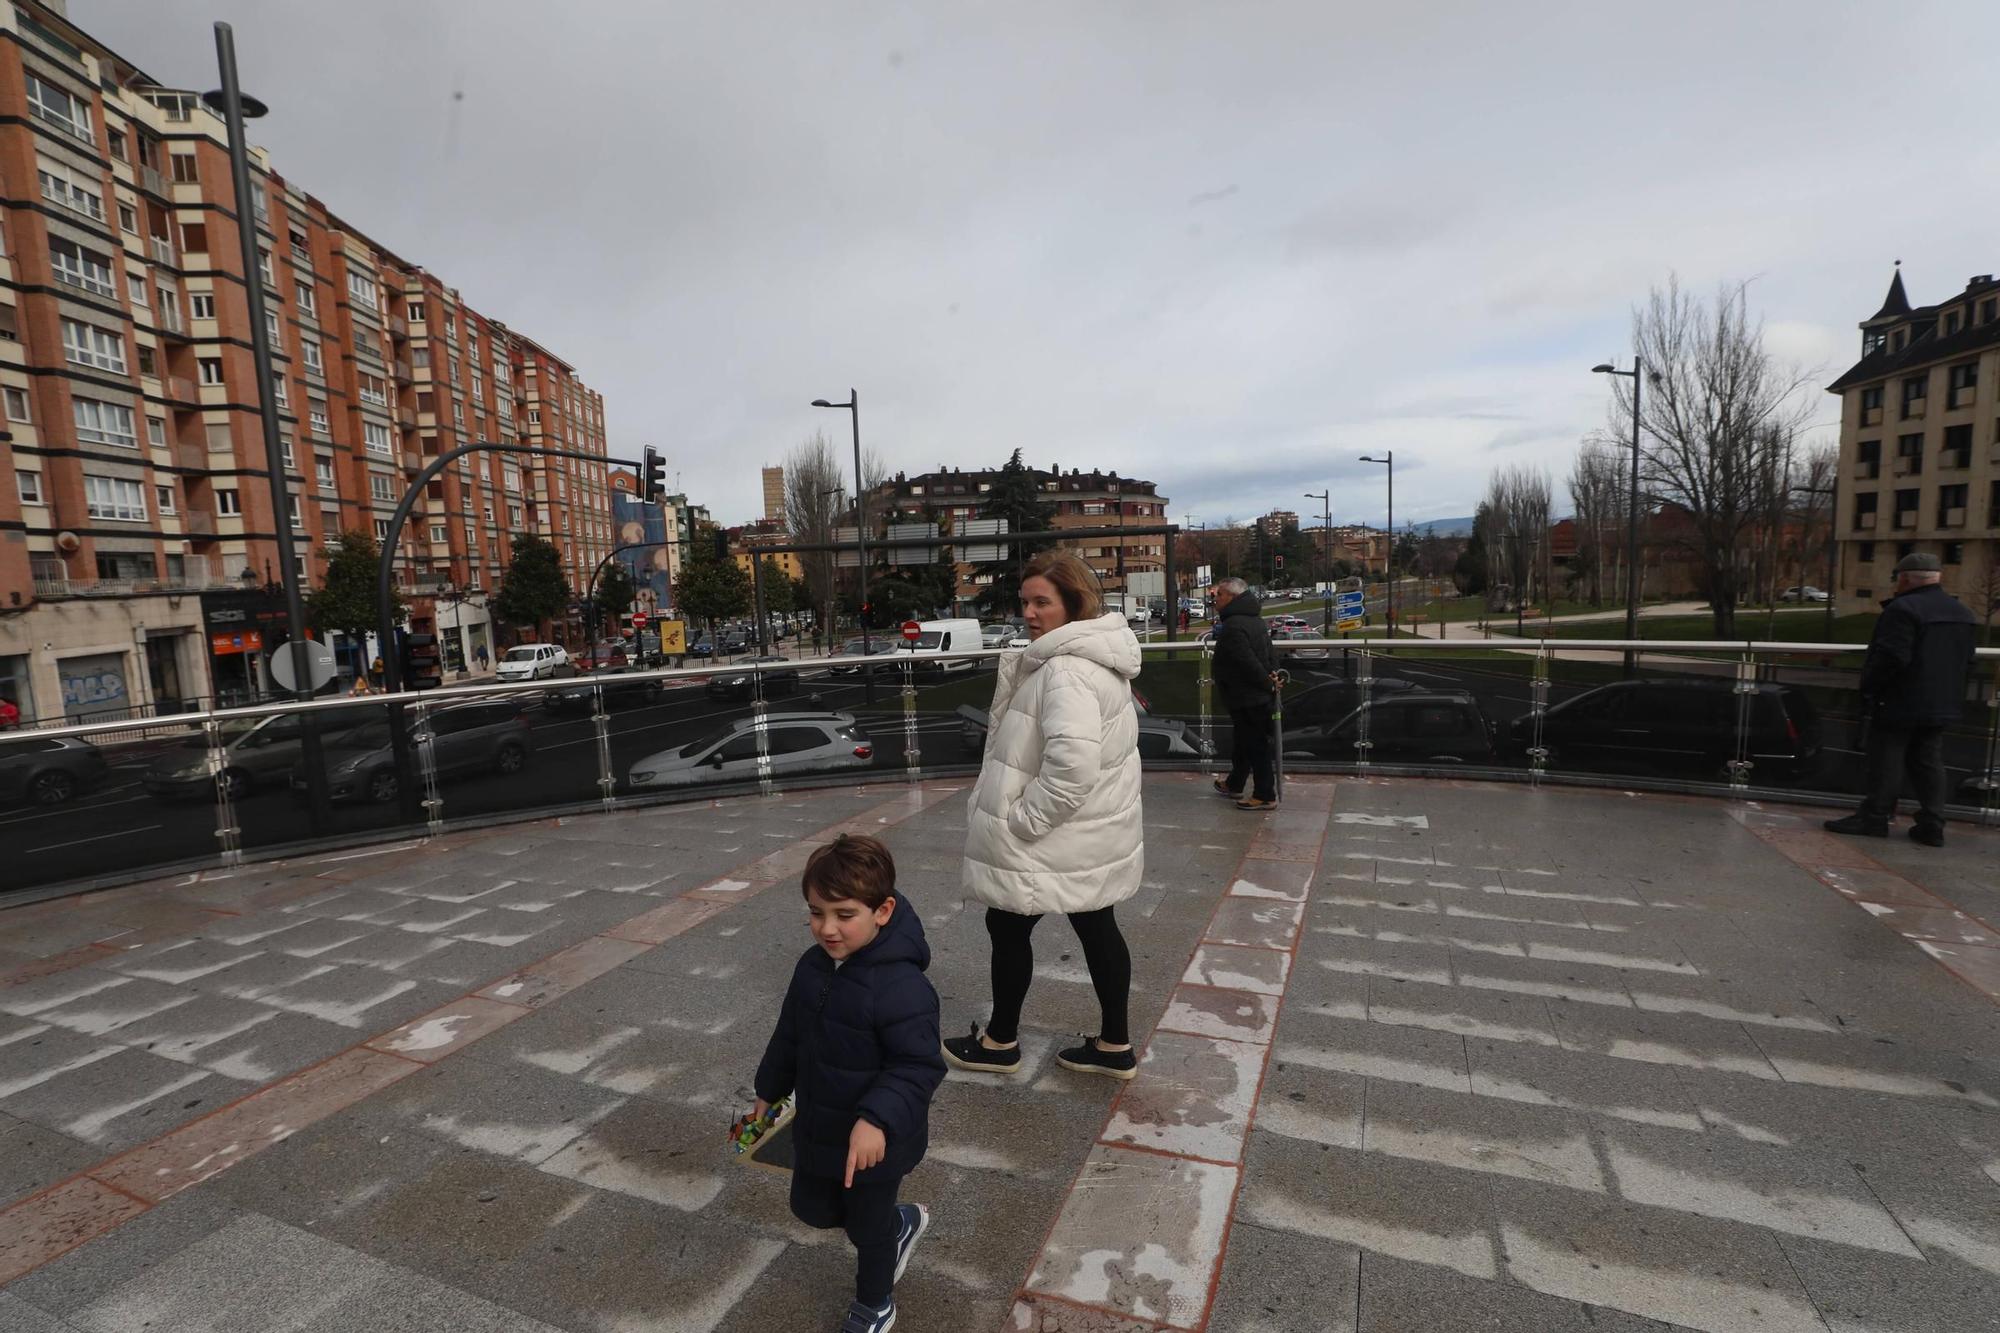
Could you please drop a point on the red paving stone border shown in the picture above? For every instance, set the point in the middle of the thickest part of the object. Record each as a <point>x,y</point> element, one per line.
<point>96,1200</point>
<point>1048,1312</point>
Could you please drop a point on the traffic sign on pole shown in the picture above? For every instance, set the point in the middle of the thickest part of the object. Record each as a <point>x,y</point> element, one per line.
<point>912,630</point>
<point>638,620</point>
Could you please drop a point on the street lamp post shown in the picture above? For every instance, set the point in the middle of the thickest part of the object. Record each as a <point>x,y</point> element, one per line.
<point>853,409</point>
<point>1388,460</point>
<point>1631,508</point>
<point>235,108</point>
<point>1325,497</point>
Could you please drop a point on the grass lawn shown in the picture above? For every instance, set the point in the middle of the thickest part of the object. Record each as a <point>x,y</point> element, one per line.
<point>1788,626</point>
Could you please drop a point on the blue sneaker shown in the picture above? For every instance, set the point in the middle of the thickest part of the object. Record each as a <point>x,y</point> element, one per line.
<point>861,1319</point>
<point>916,1221</point>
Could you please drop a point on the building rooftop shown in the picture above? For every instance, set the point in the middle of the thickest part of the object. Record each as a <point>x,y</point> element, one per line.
<point>1417,1055</point>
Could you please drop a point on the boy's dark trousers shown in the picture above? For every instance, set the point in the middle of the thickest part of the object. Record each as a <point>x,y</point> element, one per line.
<point>868,1212</point>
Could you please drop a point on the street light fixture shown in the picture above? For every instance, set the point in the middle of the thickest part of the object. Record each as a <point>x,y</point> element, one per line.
<point>1388,460</point>
<point>1325,497</point>
<point>853,408</point>
<point>1631,507</point>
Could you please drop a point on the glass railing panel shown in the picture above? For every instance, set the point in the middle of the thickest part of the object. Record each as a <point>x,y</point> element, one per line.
<point>372,786</point>
<point>1672,718</point>
<point>1167,699</point>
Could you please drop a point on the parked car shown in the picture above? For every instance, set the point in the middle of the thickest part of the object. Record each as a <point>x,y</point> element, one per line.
<point>257,752</point>
<point>48,770</point>
<point>938,637</point>
<point>794,743</point>
<point>484,736</point>
<point>1412,728</point>
<point>1318,653</point>
<point>617,686</point>
<point>532,661</point>
<point>1686,725</point>
<point>1159,737</point>
<point>997,636</point>
<point>878,645</point>
<point>1805,594</point>
<point>741,686</point>
<point>610,653</point>
<point>1329,701</point>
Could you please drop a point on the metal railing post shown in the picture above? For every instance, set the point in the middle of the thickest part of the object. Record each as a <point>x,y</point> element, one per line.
<point>1744,697</point>
<point>1538,752</point>
<point>423,739</point>
<point>600,716</point>
<point>1364,693</point>
<point>913,750</point>
<point>228,833</point>
<point>1205,687</point>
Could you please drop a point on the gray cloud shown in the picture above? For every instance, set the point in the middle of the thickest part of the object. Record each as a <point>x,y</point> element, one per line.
<point>1410,225</point>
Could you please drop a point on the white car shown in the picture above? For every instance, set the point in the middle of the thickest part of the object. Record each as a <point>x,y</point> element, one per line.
<point>791,744</point>
<point>1805,594</point>
<point>532,661</point>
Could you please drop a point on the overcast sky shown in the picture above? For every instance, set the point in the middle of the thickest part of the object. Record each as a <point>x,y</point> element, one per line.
<point>1227,247</point>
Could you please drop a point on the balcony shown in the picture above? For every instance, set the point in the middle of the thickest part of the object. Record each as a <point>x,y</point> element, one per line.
<point>401,370</point>
<point>1865,522</point>
<point>1913,410</point>
<point>1909,465</point>
<point>406,418</point>
<point>1952,518</point>
<point>161,249</point>
<point>197,581</point>
<point>181,391</point>
<point>398,326</point>
<point>172,326</point>
<point>155,183</point>
<point>198,523</point>
<point>1906,520</point>
<point>190,456</point>
<point>1868,469</point>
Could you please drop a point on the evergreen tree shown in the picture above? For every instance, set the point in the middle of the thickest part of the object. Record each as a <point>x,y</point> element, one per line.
<point>532,591</point>
<point>1470,571</point>
<point>615,593</point>
<point>781,590</point>
<point>1017,497</point>
<point>710,588</point>
<point>345,601</point>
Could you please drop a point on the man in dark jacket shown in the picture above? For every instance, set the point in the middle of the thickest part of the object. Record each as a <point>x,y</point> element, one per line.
<point>857,1040</point>
<point>1912,688</point>
<point>1244,672</point>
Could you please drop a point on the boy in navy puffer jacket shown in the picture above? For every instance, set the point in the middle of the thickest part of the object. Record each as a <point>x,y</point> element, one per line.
<point>857,1040</point>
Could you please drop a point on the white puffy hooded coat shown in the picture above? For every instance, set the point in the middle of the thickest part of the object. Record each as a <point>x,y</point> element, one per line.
<point>1054,824</point>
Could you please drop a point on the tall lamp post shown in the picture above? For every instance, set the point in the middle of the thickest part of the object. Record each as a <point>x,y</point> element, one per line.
<point>1325,498</point>
<point>1388,460</point>
<point>1631,508</point>
<point>230,103</point>
<point>853,408</point>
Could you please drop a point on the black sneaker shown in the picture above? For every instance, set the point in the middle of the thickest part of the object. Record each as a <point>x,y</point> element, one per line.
<point>1865,826</point>
<point>969,1052</point>
<point>1087,1059</point>
<point>1930,835</point>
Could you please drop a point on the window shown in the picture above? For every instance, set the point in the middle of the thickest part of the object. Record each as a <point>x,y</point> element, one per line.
<point>156,431</point>
<point>374,390</point>
<point>116,138</point>
<point>50,103</point>
<point>227,502</point>
<point>1951,506</point>
<point>298,519</point>
<point>104,423</point>
<point>284,393</point>
<point>1906,509</point>
<point>114,498</point>
<point>265,269</point>
<point>310,351</point>
<point>381,487</point>
<point>61,187</point>
<point>80,267</point>
<point>437,533</point>
<point>1865,553</point>
<point>17,405</point>
<point>1914,389</point>
<point>165,496</point>
<point>323,473</point>
<point>304,293</point>
<point>414,312</point>
<point>1864,509</point>
<point>1957,451</point>
<point>450,327</point>
<point>210,368</point>
<point>194,237</point>
<point>457,413</point>
<point>1909,455</point>
<point>361,289</point>
<point>421,358</point>
<point>381,530</point>
<point>88,345</point>
<point>1962,383</point>
<point>1952,553</point>
<point>299,247</point>
<point>184,170</point>
<point>534,416</point>
<point>316,414</point>
<point>201,305</point>
<point>29,485</point>
<point>285,449</point>
<point>260,202</point>
<point>1950,324</point>
<point>376,437</point>
<point>271,334</point>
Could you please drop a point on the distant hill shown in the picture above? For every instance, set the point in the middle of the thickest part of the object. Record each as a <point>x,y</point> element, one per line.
<point>1444,527</point>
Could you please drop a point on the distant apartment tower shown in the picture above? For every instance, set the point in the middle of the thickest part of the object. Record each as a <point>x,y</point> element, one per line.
<point>1920,444</point>
<point>774,494</point>
<point>132,464</point>
<point>1273,524</point>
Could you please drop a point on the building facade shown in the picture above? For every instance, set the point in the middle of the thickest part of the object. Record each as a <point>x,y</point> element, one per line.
<point>133,477</point>
<point>1920,446</point>
<point>774,495</point>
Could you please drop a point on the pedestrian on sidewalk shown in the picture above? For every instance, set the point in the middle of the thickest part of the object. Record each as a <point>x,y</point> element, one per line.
<point>1054,822</point>
<point>1912,688</point>
<point>858,1032</point>
<point>1248,677</point>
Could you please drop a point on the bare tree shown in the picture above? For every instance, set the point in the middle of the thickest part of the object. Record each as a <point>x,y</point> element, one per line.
<point>813,486</point>
<point>1519,500</point>
<point>1597,502</point>
<point>1718,411</point>
<point>1983,594</point>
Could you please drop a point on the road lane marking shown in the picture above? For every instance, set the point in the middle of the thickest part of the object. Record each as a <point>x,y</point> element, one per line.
<point>121,833</point>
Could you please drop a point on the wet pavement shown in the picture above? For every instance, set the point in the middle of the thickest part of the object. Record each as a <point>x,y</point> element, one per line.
<point>1416,1055</point>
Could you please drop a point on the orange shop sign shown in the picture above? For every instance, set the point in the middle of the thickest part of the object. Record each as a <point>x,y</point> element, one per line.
<point>242,641</point>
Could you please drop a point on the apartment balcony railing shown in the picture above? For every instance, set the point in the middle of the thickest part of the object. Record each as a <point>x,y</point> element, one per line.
<point>1913,410</point>
<point>1868,470</point>
<point>51,588</point>
<point>400,368</point>
<point>398,326</point>
<point>161,248</point>
<point>180,389</point>
<point>1952,518</point>
<point>1865,522</point>
<point>1906,520</point>
<point>1909,465</point>
<point>154,182</point>
<point>198,523</point>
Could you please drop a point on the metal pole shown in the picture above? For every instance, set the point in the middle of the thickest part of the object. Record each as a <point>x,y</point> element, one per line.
<point>1832,552</point>
<point>1389,556</point>
<point>861,539</point>
<point>274,453</point>
<point>1632,521</point>
<point>757,597</point>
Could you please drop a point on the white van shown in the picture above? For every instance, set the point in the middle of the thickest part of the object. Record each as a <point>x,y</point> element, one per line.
<point>946,636</point>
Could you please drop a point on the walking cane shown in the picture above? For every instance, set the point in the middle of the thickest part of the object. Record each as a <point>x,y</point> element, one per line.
<point>1283,679</point>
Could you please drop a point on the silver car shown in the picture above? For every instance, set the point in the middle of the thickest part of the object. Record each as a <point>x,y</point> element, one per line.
<point>794,742</point>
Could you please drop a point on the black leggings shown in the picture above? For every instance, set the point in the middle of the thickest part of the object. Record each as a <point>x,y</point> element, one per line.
<point>1104,951</point>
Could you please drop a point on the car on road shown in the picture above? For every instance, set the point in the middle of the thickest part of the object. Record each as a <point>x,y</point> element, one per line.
<point>1686,724</point>
<point>1327,702</point>
<point>740,685</point>
<point>610,653</point>
<point>1318,653</point>
<point>1414,728</point>
<point>617,686</point>
<point>1808,593</point>
<point>256,752</point>
<point>532,661</point>
<point>877,646</point>
<point>791,743</point>
<point>1159,737</point>
<point>48,770</point>
<point>482,736</point>
<point>997,636</point>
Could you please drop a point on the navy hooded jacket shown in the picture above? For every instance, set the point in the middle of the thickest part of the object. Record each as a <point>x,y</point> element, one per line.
<point>859,1042</point>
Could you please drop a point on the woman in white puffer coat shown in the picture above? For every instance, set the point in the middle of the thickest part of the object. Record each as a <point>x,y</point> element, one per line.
<point>1054,823</point>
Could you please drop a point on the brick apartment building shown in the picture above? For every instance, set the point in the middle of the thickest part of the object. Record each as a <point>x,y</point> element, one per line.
<point>137,538</point>
<point>1094,499</point>
<point>1920,445</point>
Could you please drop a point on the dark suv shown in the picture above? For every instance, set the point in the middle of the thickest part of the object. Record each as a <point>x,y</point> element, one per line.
<point>1405,728</point>
<point>1685,726</point>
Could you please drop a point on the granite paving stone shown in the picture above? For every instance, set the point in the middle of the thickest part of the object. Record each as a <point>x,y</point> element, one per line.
<point>1283,1282</point>
<point>33,1158</point>
<point>1192,1096</point>
<point>1633,1090</point>
<point>1468,1012</point>
<point>1402,1297</point>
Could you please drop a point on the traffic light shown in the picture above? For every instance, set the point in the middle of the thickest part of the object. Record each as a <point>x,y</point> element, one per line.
<point>719,544</point>
<point>1279,561</point>
<point>652,474</point>
<point>421,669</point>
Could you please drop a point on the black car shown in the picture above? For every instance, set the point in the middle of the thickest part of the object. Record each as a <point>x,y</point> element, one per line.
<point>1685,726</point>
<point>48,770</point>
<point>619,687</point>
<point>741,686</point>
<point>482,736</point>
<point>1328,701</point>
<point>1405,728</point>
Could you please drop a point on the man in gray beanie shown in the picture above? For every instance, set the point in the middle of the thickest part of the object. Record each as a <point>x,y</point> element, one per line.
<point>1912,688</point>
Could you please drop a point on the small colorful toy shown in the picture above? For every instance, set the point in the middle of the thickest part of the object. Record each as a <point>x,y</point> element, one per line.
<point>750,1129</point>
